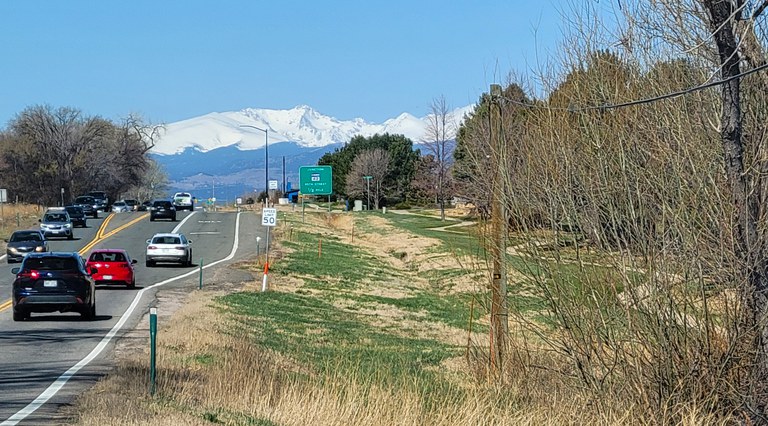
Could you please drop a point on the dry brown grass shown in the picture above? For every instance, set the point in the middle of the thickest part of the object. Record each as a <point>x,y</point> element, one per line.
<point>18,216</point>
<point>243,384</point>
<point>208,375</point>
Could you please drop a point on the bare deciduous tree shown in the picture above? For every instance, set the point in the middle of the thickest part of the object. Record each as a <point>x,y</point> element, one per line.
<point>373,163</point>
<point>439,142</point>
<point>47,149</point>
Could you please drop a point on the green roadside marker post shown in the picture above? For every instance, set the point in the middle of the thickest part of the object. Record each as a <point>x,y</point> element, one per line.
<point>152,349</point>
<point>200,286</point>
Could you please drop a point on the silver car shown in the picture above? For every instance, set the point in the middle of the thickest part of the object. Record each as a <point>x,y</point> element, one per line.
<point>56,223</point>
<point>121,207</point>
<point>167,247</point>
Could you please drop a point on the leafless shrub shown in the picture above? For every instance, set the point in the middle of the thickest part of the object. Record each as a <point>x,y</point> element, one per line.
<point>660,320</point>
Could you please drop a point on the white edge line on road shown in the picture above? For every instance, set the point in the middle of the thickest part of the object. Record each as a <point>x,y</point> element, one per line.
<point>64,378</point>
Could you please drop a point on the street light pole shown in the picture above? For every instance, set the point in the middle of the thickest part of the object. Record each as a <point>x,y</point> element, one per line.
<point>266,157</point>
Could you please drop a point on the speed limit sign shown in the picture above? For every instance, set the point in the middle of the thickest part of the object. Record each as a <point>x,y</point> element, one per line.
<point>269,217</point>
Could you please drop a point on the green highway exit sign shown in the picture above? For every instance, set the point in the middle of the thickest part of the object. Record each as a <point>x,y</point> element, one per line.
<point>316,180</point>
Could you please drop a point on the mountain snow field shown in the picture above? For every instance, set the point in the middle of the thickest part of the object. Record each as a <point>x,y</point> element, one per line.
<point>302,124</point>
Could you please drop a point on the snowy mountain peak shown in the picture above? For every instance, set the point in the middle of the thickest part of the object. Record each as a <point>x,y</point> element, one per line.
<point>249,128</point>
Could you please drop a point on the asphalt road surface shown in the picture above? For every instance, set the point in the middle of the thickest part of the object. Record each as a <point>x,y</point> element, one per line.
<point>35,354</point>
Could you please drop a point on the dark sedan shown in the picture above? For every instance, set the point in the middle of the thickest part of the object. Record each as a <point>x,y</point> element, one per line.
<point>162,209</point>
<point>22,243</point>
<point>53,282</point>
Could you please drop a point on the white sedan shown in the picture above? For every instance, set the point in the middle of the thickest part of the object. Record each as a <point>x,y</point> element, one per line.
<point>121,207</point>
<point>167,247</point>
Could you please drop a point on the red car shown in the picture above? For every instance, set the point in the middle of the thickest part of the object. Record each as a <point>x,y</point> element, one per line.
<point>114,266</point>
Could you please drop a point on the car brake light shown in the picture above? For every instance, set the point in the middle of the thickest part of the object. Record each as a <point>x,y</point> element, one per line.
<point>152,248</point>
<point>29,274</point>
<point>124,265</point>
<point>179,247</point>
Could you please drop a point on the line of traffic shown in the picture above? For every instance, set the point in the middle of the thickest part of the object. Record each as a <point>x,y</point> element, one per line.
<point>100,236</point>
<point>59,383</point>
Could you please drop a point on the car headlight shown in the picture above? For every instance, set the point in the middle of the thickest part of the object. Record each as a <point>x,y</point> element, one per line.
<point>13,250</point>
<point>39,248</point>
<point>67,225</point>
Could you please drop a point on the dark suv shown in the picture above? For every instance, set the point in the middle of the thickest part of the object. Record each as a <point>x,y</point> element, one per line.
<point>162,209</point>
<point>51,282</point>
<point>76,215</point>
<point>102,200</point>
<point>88,204</point>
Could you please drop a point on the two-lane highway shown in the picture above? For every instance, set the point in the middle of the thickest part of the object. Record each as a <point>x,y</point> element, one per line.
<point>36,354</point>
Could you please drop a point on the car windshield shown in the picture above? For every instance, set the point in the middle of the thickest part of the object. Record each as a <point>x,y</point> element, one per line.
<point>25,236</point>
<point>55,217</point>
<point>119,204</point>
<point>162,203</point>
<point>166,240</point>
<point>51,263</point>
<point>107,257</point>
<point>75,210</point>
<point>84,200</point>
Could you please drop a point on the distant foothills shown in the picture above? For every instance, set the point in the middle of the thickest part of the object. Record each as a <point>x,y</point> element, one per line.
<point>222,155</point>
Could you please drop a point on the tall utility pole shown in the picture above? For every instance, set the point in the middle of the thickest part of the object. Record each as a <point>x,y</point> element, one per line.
<point>283,175</point>
<point>499,307</point>
<point>266,165</point>
<point>266,158</point>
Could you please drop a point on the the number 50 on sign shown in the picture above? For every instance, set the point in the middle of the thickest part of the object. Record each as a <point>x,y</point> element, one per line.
<point>269,217</point>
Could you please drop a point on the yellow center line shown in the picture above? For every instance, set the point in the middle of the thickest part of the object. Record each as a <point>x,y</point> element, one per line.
<point>120,228</point>
<point>100,236</point>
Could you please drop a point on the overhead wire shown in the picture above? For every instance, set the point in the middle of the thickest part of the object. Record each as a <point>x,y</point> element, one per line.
<point>644,100</point>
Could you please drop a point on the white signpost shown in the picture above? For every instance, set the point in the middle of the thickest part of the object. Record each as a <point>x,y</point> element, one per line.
<point>3,199</point>
<point>273,184</point>
<point>268,219</point>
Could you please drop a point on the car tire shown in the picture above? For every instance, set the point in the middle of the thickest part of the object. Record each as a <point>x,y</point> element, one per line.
<point>173,219</point>
<point>150,263</point>
<point>132,284</point>
<point>151,219</point>
<point>70,237</point>
<point>20,315</point>
<point>90,313</point>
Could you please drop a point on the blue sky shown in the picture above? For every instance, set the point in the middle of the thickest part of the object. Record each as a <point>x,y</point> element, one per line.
<point>172,60</point>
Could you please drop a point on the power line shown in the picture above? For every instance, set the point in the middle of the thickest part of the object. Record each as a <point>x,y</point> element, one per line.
<point>646,100</point>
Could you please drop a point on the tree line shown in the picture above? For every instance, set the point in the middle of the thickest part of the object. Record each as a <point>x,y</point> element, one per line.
<point>46,150</point>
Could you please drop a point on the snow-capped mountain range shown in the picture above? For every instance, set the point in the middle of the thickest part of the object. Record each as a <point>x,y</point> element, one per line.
<point>302,125</point>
